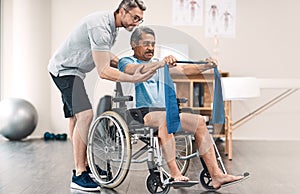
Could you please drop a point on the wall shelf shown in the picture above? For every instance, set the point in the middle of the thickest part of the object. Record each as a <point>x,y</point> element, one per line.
<point>198,89</point>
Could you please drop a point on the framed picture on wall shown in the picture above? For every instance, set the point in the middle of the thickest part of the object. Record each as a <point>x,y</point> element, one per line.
<point>220,18</point>
<point>188,12</point>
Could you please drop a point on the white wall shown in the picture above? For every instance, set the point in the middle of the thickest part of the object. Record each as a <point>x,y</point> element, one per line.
<point>26,49</point>
<point>65,16</point>
<point>265,46</point>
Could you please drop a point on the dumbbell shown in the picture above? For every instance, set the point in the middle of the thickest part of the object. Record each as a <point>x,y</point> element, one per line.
<point>61,137</point>
<point>52,136</point>
<point>49,136</point>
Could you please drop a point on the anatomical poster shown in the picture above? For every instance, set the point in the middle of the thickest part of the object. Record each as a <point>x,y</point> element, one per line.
<point>188,12</point>
<point>220,18</point>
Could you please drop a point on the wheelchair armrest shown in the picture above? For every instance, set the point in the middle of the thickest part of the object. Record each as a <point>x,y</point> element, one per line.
<point>186,110</point>
<point>182,100</point>
<point>122,99</point>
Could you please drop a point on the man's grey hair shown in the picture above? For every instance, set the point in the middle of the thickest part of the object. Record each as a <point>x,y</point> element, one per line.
<point>130,4</point>
<point>136,35</point>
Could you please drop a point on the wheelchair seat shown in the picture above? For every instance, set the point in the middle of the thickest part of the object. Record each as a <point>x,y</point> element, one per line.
<point>134,117</point>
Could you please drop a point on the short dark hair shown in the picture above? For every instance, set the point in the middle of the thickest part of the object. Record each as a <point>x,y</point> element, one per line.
<point>130,4</point>
<point>136,35</point>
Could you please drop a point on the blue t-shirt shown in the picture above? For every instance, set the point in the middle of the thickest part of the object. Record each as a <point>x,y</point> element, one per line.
<point>151,92</point>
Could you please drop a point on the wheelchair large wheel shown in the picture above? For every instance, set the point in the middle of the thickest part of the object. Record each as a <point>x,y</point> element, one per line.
<point>183,149</point>
<point>109,149</point>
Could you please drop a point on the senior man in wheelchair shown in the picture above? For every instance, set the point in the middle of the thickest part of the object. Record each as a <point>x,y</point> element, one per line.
<point>143,42</point>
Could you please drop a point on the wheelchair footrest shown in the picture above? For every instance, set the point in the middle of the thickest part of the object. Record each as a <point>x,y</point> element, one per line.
<point>170,182</point>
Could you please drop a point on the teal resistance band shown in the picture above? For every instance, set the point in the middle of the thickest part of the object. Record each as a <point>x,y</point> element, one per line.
<point>172,111</point>
<point>218,114</point>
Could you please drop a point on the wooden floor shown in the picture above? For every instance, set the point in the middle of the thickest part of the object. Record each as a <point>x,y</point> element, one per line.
<point>36,166</point>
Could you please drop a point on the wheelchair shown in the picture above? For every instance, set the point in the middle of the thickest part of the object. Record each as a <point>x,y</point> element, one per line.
<point>116,130</point>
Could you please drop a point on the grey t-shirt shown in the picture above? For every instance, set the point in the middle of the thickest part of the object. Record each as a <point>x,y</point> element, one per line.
<point>96,32</point>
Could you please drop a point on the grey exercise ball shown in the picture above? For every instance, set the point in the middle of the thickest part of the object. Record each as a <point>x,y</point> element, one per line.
<point>18,118</point>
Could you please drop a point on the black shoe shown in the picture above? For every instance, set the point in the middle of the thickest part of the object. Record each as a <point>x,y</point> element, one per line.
<point>102,173</point>
<point>84,182</point>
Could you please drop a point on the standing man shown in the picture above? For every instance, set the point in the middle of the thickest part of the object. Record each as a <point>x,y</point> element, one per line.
<point>85,48</point>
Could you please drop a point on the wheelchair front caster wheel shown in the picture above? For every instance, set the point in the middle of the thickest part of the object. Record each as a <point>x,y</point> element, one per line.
<point>206,180</point>
<point>154,184</point>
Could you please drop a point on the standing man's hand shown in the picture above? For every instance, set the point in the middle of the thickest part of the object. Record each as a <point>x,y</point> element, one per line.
<point>138,76</point>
